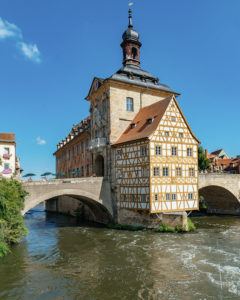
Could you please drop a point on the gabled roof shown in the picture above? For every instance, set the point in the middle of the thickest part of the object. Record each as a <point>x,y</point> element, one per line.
<point>7,137</point>
<point>217,152</point>
<point>96,83</point>
<point>141,128</point>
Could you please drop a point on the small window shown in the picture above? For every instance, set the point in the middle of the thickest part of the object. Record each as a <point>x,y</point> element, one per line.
<point>134,52</point>
<point>143,198</point>
<point>156,197</point>
<point>156,171</point>
<point>190,196</point>
<point>191,172</point>
<point>168,196</point>
<point>179,172</point>
<point>6,166</point>
<point>189,151</point>
<point>174,197</point>
<point>143,151</point>
<point>173,119</point>
<point>166,133</point>
<point>158,150</point>
<point>174,151</point>
<point>165,171</point>
<point>180,134</point>
<point>129,104</point>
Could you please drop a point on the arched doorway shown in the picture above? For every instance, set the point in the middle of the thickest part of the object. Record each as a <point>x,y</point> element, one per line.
<point>99,166</point>
<point>219,200</point>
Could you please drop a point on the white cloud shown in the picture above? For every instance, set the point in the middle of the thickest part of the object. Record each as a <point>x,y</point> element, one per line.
<point>30,51</point>
<point>40,141</point>
<point>10,30</point>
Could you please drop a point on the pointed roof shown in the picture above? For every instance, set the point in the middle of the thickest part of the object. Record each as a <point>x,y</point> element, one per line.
<point>147,120</point>
<point>143,128</point>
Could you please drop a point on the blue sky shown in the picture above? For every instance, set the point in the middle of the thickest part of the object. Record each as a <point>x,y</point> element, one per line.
<point>51,50</point>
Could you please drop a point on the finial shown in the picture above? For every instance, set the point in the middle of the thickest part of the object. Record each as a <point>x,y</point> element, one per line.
<point>130,23</point>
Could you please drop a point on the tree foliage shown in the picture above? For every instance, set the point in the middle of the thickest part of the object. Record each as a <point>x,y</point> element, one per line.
<point>12,227</point>
<point>203,161</point>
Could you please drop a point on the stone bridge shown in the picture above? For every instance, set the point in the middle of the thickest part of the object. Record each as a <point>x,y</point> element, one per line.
<point>90,195</point>
<point>221,192</point>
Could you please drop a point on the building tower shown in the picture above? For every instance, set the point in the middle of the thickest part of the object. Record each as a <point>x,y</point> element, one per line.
<point>131,44</point>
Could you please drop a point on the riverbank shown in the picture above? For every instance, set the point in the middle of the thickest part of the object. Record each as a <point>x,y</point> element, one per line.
<point>12,228</point>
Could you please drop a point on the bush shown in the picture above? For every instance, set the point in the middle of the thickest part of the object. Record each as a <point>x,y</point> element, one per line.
<point>12,228</point>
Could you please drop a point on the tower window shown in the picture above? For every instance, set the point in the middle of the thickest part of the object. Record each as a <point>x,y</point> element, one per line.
<point>134,52</point>
<point>129,104</point>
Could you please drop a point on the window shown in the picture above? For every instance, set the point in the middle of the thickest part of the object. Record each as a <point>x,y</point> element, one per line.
<point>156,197</point>
<point>165,171</point>
<point>179,172</point>
<point>168,196</point>
<point>190,196</point>
<point>156,171</point>
<point>189,151</point>
<point>166,133</point>
<point>180,134</point>
<point>174,151</point>
<point>191,172</point>
<point>6,166</point>
<point>129,104</point>
<point>134,52</point>
<point>145,172</point>
<point>158,150</point>
<point>173,119</point>
<point>143,198</point>
<point>143,150</point>
<point>174,197</point>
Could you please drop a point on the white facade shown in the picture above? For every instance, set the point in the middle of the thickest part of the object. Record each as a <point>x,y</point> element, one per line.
<point>8,159</point>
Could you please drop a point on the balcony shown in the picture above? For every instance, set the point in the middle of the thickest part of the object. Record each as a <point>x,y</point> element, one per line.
<point>6,156</point>
<point>97,143</point>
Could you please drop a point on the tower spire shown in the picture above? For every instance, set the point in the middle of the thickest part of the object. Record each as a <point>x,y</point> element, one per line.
<point>131,44</point>
<point>130,22</point>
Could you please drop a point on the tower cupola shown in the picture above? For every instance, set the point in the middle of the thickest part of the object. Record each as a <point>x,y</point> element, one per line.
<point>131,44</point>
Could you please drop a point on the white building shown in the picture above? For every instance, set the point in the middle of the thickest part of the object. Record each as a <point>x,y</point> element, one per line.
<point>9,164</point>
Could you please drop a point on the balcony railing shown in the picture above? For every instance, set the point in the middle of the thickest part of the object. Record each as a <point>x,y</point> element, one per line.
<point>6,156</point>
<point>97,143</point>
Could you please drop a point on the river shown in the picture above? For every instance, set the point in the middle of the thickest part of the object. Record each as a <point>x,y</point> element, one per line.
<point>59,260</point>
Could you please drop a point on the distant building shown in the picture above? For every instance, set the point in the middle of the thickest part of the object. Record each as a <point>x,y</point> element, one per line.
<point>221,162</point>
<point>9,163</point>
<point>137,138</point>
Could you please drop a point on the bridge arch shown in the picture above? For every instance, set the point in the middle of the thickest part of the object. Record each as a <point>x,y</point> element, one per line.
<point>72,195</point>
<point>219,199</point>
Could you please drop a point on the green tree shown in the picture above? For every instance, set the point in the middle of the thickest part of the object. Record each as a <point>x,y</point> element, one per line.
<point>203,161</point>
<point>12,228</point>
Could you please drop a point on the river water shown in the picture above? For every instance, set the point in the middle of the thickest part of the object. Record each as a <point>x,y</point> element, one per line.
<point>59,260</point>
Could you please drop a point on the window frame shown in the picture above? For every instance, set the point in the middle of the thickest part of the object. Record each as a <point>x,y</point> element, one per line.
<point>129,104</point>
<point>165,171</point>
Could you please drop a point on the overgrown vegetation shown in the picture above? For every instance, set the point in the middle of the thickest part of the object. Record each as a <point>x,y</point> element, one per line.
<point>12,227</point>
<point>203,161</point>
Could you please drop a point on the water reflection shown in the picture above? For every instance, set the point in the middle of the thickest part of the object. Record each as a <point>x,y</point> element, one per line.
<point>61,261</point>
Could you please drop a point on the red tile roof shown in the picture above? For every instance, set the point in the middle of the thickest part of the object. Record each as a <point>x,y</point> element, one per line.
<point>7,137</point>
<point>143,129</point>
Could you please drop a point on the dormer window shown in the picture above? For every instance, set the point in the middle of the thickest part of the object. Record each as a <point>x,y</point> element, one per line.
<point>133,125</point>
<point>150,120</point>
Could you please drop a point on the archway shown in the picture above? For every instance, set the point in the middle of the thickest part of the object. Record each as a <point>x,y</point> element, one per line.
<point>99,166</point>
<point>219,200</point>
